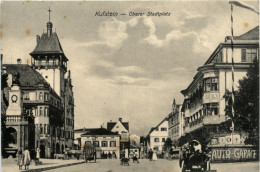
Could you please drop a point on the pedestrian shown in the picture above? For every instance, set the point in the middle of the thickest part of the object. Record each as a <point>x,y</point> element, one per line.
<point>20,159</point>
<point>27,158</point>
<point>154,155</point>
<point>150,154</point>
<point>135,158</point>
<point>48,152</point>
<point>65,154</point>
<point>38,150</point>
<point>109,155</point>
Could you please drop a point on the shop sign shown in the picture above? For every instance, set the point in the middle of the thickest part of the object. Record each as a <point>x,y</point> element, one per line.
<point>210,97</point>
<point>233,154</point>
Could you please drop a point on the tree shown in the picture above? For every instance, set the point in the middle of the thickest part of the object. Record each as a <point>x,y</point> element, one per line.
<point>168,144</point>
<point>246,104</point>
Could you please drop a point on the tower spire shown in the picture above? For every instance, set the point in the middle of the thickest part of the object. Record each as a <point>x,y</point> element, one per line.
<point>49,24</point>
<point>49,14</point>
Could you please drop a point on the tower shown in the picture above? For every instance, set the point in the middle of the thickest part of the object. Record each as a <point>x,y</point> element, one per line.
<point>49,59</point>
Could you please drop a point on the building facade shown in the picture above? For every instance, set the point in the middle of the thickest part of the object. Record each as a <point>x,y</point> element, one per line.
<point>49,59</point>
<point>204,105</point>
<point>106,142</point>
<point>38,99</point>
<point>175,123</point>
<point>121,128</point>
<point>158,135</point>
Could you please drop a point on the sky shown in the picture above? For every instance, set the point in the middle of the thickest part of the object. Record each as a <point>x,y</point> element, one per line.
<point>129,67</point>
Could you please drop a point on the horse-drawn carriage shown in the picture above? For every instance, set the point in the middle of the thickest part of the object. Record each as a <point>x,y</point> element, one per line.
<point>194,158</point>
<point>89,152</point>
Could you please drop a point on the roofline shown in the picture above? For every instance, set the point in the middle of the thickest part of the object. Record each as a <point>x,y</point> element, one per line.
<point>93,135</point>
<point>35,87</point>
<point>166,118</point>
<point>219,47</point>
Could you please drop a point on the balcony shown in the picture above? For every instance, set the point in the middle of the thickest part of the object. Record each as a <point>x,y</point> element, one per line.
<point>204,120</point>
<point>211,97</point>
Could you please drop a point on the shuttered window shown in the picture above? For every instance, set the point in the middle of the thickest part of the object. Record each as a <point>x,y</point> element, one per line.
<point>243,53</point>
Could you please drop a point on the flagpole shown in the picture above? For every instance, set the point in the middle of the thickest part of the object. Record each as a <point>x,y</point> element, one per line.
<point>232,68</point>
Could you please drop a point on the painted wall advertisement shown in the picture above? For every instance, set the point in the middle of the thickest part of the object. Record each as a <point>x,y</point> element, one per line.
<point>232,154</point>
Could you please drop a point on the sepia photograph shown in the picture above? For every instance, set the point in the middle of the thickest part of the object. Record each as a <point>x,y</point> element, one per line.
<point>129,86</point>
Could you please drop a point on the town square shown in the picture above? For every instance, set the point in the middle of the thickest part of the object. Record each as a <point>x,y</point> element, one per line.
<point>130,86</point>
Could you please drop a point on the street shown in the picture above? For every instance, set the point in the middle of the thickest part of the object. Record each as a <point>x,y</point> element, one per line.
<point>160,165</point>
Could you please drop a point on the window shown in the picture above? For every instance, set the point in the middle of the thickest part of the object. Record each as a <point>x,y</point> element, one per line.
<point>248,55</point>
<point>156,129</point>
<point>112,144</point>
<point>163,129</point>
<point>214,110</point>
<point>104,143</point>
<point>46,111</point>
<point>41,129</point>
<point>156,140</point>
<point>97,143</point>
<point>46,97</point>
<point>48,129</point>
<point>214,86</point>
<point>41,111</point>
<point>207,84</point>
<point>44,129</point>
<point>163,139</point>
<point>211,84</point>
<point>41,96</point>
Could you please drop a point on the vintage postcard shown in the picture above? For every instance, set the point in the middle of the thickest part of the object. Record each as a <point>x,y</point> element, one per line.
<point>102,86</point>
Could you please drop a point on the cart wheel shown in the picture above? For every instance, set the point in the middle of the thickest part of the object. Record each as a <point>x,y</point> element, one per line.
<point>208,165</point>
<point>183,167</point>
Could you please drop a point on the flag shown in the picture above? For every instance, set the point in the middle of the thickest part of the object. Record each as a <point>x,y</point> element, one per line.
<point>244,5</point>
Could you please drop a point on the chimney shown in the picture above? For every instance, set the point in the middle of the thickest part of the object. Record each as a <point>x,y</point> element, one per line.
<point>120,119</point>
<point>69,74</point>
<point>84,129</point>
<point>37,39</point>
<point>19,61</point>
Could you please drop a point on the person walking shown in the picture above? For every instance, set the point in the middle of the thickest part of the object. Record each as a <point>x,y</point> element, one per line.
<point>135,158</point>
<point>154,155</point>
<point>20,158</point>
<point>27,158</point>
<point>38,150</point>
<point>150,154</point>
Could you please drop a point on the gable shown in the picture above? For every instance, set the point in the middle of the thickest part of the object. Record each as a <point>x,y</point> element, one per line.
<point>164,124</point>
<point>119,127</point>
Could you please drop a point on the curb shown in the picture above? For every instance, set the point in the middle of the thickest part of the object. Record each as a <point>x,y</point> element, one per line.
<point>53,167</point>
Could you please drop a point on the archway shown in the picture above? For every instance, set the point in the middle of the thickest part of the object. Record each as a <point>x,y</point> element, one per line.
<point>11,137</point>
<point>42,153</point>
<point>62,148</point>
<point>57,148</point>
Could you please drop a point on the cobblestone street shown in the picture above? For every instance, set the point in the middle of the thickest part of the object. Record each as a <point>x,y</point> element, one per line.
<point>154,166</point>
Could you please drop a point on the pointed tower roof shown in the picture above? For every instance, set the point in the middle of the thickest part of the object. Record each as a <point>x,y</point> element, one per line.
<point>48,43</point>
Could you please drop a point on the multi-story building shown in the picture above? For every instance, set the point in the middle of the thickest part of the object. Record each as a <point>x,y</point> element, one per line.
<point>175,123</point>
<point>69,112</point>
<point>158,135</point>
<point>204,105</point>
<point>38,98</point>
<point>121,128</point>
<point>105,141</point>
<point>49,59</point>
